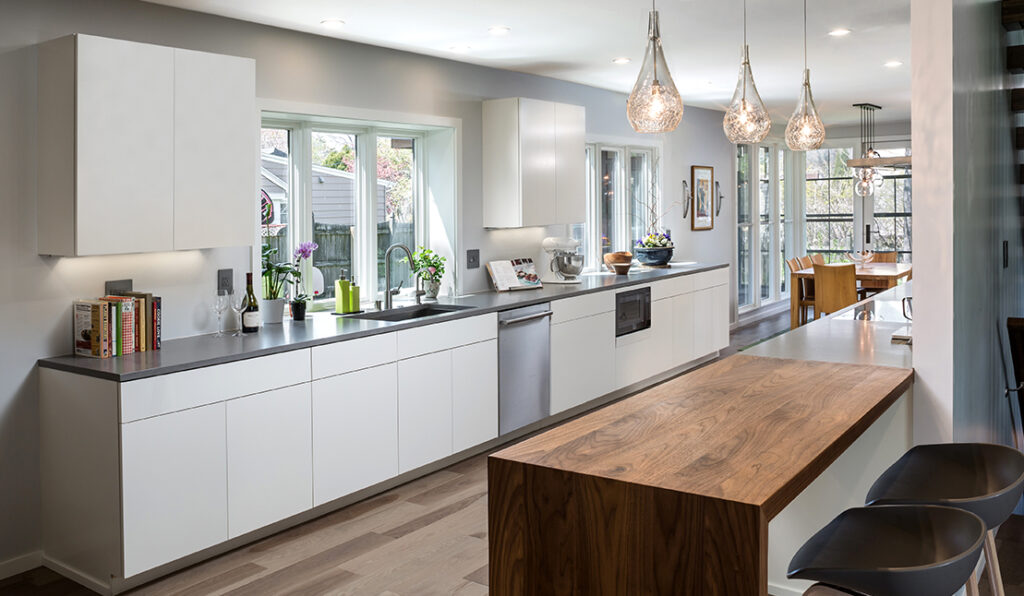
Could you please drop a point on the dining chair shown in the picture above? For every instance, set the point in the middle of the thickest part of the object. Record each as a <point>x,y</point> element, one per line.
<point>818,259</point>
<point>870,287</point>
<point>835,288</point>
<point>806,302</point>
<point>805,262</point>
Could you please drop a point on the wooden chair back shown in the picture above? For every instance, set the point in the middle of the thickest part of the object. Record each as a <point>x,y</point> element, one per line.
<point>818,259</point>
<point>835,288</point>
<point>886,257</point>
<point>793,264</point>
<point>805,261</point>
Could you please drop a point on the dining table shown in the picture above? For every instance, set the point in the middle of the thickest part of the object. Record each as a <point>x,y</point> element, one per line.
<point>885,275</point>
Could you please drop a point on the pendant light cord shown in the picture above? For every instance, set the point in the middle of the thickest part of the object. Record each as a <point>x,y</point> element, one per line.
<point>805,35</point>
<point>655,38</point>
<point>744,28</point>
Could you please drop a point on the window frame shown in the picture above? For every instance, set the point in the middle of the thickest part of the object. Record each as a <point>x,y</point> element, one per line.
<point>300,195</point>
<point>780,222</point>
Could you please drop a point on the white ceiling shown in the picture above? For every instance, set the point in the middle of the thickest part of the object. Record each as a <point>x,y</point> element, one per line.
<point>576,40</point>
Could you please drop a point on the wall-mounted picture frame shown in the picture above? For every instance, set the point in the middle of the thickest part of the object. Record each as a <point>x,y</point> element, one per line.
<point>702,209</point>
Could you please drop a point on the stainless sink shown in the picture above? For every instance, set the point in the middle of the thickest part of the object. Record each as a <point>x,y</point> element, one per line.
<point>410,312</point>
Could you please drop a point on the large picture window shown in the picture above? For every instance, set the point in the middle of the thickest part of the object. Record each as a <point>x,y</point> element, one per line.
<point>828,204</point>
<point>354,191</point>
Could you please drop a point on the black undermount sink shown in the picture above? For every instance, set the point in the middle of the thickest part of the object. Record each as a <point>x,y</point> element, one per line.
<point>407,313</point>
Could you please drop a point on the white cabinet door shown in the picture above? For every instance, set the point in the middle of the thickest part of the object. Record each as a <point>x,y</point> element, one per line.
<point>570,164</point>
<point>270,468</point>
<point>424,410</point>
<point>582,360</point>
<point>644,354</point>
<point>710,320</point>
<point>355,431</point>
<point>174,486</point>
<point>720,334</point>
<point>660,357</point>
<point>124,147</point>
<point>474,394</point>
<point>215,150</point>
<point>682,332</point>
<point>537,161</point>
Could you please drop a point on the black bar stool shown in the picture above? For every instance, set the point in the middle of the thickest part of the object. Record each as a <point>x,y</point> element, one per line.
<point>897,550</point>
<point>986,480</point>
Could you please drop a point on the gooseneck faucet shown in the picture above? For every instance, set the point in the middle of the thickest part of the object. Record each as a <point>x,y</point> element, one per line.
<point>388,291</point>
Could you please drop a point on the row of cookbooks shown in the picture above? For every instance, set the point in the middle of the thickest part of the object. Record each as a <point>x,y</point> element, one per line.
<point>117,325</point>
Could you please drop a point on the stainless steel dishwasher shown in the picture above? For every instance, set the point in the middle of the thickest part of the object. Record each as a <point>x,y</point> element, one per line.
<point>524,366</point>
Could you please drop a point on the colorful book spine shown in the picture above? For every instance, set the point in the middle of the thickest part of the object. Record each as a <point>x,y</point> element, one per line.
<point>158,313</point>
<point>91,324</point>
<point>125,323</point>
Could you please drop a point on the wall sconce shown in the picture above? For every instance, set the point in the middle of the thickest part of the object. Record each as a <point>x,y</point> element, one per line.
<point>718,204</point>
<point>687,199</point>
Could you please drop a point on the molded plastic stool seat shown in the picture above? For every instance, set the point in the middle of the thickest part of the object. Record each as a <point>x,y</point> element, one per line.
<point>895,550</point>
<point>986,480</point>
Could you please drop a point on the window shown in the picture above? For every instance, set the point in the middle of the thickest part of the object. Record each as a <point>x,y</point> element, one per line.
<point>622,200</point>
<point>828,204</point>
<point>354,190</point>
<point>892,211</point>
<point>744,233</point>
<point>761,244</point>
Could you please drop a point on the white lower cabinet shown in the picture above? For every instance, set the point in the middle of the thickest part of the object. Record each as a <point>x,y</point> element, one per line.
<point>582,360</point>
<point>644,354</point>
<point>682,332</point>
<point>270,467</point>
<point>474,394</point>
<point>710,320</point>
<point>355,431</point>
<point>424,409</point>
<point>174,486</point>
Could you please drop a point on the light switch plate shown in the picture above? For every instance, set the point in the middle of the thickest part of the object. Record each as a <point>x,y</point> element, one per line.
<point>473,258</point>
<point>226,280</point>
<point>116,287</point>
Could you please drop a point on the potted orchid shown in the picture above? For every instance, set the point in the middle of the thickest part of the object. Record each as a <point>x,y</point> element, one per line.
<point>277,277</point>
<point>429,267</point>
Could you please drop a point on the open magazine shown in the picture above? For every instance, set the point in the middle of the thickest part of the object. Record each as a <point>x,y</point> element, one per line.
<point>513,274</point>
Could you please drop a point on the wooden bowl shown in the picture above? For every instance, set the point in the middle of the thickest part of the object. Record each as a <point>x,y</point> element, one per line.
<point>620,268</point>
<point>618,258</point>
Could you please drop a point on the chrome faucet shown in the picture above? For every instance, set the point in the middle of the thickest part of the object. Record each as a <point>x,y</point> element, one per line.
<point>388,292</point>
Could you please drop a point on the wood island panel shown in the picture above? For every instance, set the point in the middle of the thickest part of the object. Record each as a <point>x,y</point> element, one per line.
<point>670,491</point>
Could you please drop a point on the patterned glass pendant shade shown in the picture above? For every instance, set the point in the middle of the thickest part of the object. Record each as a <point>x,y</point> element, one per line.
<point>805,130</point>
<point>747,119</point>
<point>654,105</point>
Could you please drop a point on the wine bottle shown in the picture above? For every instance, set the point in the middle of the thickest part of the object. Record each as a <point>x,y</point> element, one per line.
<point>251,314</point>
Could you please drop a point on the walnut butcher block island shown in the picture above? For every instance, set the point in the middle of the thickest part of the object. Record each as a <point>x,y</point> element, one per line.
<point>670,491</point>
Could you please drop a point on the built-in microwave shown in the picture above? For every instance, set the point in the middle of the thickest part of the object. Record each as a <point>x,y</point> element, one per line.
<point>632,311</point>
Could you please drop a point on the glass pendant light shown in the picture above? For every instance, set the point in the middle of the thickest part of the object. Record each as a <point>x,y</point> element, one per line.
<point>805,130</point>
<point>655,104</point>
<point>747,119</point>
<point>868,178</point>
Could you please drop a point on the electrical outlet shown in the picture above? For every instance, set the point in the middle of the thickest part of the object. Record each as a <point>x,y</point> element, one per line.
<point>473,258</point>
<point>117,286</point>
<point>226,280</point>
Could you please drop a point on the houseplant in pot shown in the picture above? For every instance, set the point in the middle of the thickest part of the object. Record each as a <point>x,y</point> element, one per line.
<point>655,249</point>
<point>277,276</point>
<point>429,267</point>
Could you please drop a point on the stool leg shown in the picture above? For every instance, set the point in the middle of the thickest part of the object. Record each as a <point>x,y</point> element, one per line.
<point>972,585</point>
<point>992,560</point>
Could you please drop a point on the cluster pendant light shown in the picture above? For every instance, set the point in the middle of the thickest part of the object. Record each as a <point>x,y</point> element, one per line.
<point>747,119</point>
<point>654,105</point>
<point>805,130</point>
<point>867,178</point>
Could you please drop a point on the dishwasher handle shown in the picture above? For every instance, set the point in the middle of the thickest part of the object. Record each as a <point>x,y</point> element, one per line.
<point>533,317</point>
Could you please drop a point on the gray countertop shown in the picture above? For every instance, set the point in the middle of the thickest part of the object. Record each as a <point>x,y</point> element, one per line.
<point>845,337</point>
<point>324,328</point>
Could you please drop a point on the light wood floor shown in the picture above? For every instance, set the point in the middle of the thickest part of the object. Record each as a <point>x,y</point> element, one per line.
<point>426,537</point>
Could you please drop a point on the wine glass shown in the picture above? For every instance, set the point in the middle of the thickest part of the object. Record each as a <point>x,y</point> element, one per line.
<point>238,304</point>
<point>220,305</point>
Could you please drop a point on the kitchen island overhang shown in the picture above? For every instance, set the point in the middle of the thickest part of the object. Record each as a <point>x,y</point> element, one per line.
<point>670,491</point>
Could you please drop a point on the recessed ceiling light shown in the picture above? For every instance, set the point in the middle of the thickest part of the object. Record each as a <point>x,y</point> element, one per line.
<point>840,32</point>
<point>621,60</point>
<point>460,49</point>
<point>893,64</point>
<point>499,30</point>
<point>333,23</point>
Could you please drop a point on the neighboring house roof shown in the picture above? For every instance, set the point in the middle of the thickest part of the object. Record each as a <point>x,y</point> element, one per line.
<point>333,190</point>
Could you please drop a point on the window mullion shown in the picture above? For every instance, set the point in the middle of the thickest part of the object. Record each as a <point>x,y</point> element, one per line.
<point>302,205</point>
<point>366,208</point>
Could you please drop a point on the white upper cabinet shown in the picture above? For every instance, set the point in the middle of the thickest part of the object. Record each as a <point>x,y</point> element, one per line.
<point>143,148</point>
<point>533,163</point>
<point>215,140</point>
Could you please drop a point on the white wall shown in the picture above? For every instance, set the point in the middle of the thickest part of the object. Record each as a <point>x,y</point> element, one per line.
<point>965,206</point>
<point>36,292</point>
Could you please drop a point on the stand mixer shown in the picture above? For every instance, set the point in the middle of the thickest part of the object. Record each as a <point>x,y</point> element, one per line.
<point>563,260</point>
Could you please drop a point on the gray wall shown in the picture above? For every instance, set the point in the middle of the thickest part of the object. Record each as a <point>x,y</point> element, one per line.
<point>965,206</point>
<point>36,294</point>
